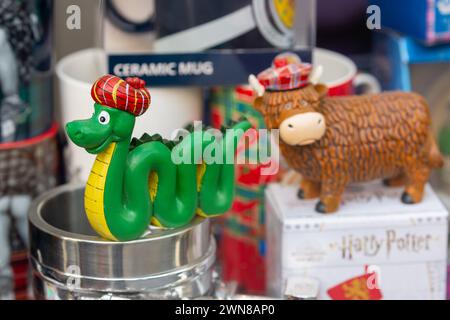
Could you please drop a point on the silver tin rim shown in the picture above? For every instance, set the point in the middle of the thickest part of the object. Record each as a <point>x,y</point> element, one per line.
<point>166,258</point>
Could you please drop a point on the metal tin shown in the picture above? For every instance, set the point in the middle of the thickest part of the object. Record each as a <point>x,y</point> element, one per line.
<point>70,262</point>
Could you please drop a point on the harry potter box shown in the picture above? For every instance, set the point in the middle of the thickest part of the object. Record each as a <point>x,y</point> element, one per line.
<point>375,247</point>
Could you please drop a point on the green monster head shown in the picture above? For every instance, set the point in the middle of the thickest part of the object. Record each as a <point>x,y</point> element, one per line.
<point>106,125</point>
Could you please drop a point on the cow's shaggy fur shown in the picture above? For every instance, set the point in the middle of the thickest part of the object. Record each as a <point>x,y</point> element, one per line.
<point>384,135</point>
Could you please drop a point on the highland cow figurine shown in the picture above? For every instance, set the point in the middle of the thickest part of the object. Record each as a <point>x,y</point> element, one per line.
<point>334,141</point>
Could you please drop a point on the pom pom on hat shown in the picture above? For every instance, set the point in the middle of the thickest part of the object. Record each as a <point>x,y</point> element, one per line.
<point>285,58</point>
<point>129,95</point>
<point>286,73</point>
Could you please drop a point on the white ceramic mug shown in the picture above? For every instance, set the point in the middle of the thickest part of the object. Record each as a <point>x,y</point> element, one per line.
<point>171,108</point>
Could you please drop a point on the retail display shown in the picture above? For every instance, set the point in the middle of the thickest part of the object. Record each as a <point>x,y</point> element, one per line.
<point>334,141</point>
<point>131,185</point>
<point>224,150</point>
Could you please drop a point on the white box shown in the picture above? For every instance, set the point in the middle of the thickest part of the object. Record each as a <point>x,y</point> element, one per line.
<point>404,245</point>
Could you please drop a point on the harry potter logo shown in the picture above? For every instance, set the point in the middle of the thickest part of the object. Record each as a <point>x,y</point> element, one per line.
<point>372,245</point>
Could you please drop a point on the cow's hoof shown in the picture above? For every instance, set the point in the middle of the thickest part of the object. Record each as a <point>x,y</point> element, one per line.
<point>406,198</point>
<point>301,194</point>
<point>321,207</point>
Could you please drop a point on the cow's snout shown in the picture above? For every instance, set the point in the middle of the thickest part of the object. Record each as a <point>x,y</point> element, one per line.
<point>302,129</point>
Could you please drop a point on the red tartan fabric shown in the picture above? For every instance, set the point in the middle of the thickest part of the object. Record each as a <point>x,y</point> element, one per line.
<point>129,95</point>
<point>287,72</point>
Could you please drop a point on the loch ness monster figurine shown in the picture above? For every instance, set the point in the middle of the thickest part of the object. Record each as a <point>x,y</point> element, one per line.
<point>333,141</point>
<point>134,183</point>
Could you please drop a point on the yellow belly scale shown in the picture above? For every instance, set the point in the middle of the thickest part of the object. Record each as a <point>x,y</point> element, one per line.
<point>94,193</point>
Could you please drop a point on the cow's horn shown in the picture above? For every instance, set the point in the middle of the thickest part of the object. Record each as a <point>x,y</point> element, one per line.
<point>316,74</point>
<point>256,85</point>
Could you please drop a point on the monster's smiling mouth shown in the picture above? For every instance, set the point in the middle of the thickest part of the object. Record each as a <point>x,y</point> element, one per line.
<point>102,146</point>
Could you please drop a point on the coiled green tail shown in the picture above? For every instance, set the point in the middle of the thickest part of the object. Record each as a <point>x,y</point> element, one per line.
<point>172,182</point>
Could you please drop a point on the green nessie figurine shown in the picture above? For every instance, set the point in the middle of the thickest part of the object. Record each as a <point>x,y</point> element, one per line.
<point>137,182</point>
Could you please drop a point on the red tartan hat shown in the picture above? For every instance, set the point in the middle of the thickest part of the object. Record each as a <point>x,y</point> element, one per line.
<point>287,72</point>
<point>129,95</point>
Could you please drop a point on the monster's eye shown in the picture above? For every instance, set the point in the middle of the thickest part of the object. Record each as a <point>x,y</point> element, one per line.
<point>304,103</point>
<point>103,117</point>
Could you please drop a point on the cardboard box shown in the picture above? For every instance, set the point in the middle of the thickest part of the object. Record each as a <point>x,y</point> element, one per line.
<point>374,247</point>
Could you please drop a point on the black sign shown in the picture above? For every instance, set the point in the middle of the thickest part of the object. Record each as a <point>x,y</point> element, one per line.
<point>195,69</point>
